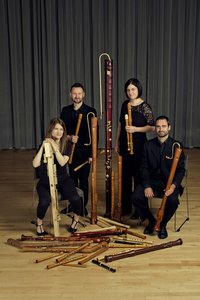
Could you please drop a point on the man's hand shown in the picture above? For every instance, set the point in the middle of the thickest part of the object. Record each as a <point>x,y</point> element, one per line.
<point>74,139</point>
<point>148,192</point>
<point>170,191</point>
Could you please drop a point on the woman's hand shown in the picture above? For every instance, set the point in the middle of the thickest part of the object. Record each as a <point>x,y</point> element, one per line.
<point>131,129</point>
<point>52,142</point>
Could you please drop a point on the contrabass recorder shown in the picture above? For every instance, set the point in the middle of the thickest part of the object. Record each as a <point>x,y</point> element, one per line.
<point>108,128</point>
<point>94,171</point>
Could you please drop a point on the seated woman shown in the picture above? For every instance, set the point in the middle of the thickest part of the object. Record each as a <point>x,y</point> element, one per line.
<point>57,137</point>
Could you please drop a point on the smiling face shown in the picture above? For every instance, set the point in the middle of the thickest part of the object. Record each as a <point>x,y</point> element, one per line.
<point>77,95</point>
<point>132,92</point>
<point>57,132</point>
<point>162,128</point>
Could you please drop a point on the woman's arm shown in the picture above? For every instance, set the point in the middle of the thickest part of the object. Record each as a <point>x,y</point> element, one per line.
<point>38,157</point>
<point>62,159</point>
<point>147,128</point>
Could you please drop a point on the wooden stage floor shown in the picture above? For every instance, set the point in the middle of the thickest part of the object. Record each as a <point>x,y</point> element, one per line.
<point>172,273</point>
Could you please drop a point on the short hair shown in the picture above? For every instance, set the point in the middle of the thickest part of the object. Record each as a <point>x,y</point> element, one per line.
<point>163,118</point>
<point>77,85</point>
<point>136,83</point>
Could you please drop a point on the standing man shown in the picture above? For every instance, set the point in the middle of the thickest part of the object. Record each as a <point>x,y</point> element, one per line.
<point>83,147</point>
<point>155,169</point>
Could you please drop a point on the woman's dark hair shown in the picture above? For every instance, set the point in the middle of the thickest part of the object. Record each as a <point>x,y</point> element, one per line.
<point>51,126</point>
<point>136,83</point>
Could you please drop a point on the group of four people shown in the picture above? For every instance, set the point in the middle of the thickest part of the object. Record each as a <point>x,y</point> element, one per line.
<point>149,166</point>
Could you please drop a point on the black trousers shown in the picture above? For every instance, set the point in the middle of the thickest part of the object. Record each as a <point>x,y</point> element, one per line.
<point>80,178</point>
<point>68,191</point>
<point>142,206</point>
<point>130,178</point>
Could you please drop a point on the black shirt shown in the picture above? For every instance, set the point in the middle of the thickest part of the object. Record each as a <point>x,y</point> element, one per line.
<point>156,164</point>
<point>83,148</point>
<point>141,116</point>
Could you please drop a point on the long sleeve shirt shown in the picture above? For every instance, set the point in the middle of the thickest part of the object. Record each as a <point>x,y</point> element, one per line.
<point>157,161</point>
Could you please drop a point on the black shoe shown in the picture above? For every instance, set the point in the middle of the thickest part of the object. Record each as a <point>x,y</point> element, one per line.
<point>162,234</point>
<point>73,227</point>
<point>135,216</point>
<point>149,229</point>
<point>39,229</point>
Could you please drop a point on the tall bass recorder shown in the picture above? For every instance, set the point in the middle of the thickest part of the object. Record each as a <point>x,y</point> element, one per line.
<point>110,175</point>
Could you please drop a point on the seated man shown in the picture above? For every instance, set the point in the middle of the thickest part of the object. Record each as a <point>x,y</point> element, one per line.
<point>155,169</point>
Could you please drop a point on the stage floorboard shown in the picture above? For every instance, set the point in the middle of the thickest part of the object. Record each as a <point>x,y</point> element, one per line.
<point>172,273</point>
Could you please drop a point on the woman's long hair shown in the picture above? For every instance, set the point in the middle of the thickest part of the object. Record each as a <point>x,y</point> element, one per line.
<point>51,126</point>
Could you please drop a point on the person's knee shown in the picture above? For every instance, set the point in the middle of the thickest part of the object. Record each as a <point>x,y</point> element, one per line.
<point>172,202</point>
<point>45,202</point>
<point>137,194</point>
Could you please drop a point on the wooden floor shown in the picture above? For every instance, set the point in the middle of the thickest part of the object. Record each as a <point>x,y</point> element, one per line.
<point>172,273</point>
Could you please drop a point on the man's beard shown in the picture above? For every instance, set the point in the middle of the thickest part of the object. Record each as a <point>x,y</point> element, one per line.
<point>162,134</point>
<point>77,102</point>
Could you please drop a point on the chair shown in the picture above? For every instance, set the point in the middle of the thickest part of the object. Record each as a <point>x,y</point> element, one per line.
<point>81,195</point>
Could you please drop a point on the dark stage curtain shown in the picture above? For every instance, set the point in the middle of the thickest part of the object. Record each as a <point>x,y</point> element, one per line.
<point>46,46</point>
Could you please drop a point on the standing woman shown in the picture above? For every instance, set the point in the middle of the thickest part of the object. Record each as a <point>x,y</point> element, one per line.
<point>142,122</point>
<point>56,136</point>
